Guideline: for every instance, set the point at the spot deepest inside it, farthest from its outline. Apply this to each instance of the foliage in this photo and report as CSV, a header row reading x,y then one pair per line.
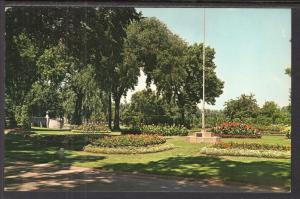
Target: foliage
x,y
164,130
92,128
246,152
235,129
148,107
242,108
129,149
22,117
251,146
174,67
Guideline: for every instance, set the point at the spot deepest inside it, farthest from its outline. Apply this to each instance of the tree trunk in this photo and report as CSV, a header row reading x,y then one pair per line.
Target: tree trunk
x,y
109,112
117,113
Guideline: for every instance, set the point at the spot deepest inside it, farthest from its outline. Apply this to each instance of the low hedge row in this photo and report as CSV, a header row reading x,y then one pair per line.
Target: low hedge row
x,y
63,139
251,146
158,130
246,152
92,128
128,140
129,149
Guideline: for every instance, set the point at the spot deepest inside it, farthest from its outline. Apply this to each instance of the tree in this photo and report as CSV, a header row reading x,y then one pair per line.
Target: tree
x,y
189,93
116,67
149,106
173,66
243,108
89,36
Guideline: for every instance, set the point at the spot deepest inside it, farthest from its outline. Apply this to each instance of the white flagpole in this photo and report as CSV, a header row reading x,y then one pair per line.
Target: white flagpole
x,y
203,75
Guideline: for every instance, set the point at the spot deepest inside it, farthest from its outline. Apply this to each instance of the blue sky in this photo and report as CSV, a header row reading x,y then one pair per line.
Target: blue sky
x,y
252,48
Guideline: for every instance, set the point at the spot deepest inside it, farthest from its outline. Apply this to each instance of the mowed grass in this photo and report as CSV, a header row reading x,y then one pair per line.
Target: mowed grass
x,y
184,161
267,139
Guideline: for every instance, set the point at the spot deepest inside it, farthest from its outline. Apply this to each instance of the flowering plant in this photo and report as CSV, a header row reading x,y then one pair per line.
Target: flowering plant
x,y
236,129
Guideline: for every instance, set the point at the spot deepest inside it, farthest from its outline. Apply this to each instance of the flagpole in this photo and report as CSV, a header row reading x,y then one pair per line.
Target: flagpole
x,y
203,75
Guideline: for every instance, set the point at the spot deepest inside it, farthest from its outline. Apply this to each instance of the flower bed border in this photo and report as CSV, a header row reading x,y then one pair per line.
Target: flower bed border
x,y
246,153
129,150
237,136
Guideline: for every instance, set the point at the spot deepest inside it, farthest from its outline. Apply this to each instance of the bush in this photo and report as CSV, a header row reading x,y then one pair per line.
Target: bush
x,y
287,132
128,140
251,146
128,150
246,152
22,117
165,130
92,128
235,129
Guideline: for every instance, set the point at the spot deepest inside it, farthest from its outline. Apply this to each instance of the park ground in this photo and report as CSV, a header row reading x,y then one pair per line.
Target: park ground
x,y
39,168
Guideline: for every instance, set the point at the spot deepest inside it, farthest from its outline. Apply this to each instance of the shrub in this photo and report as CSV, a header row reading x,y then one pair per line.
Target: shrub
x,y
235,129
251,146
246,152
92,128
128,150
164,130
22,117
128,140
287,132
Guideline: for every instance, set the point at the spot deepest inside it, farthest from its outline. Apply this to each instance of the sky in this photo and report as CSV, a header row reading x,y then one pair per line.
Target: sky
x,y
252,47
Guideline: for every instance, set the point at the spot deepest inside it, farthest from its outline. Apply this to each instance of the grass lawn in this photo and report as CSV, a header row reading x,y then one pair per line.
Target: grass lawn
x,y
267,139
184,161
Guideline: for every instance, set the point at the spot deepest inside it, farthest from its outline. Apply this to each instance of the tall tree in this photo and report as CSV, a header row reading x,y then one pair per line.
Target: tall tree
x,y
173,66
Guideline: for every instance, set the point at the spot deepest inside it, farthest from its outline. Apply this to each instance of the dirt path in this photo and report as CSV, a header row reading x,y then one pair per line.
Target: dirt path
x,y
22,176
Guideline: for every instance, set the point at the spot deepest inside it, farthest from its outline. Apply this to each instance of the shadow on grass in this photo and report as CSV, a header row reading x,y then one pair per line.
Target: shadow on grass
x,y
205,167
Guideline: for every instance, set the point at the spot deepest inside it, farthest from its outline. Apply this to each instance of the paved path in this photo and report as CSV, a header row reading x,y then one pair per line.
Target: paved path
x,y
22,176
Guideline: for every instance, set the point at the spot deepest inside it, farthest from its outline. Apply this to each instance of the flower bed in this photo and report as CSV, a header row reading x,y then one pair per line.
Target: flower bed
x,y
270,129
128,144
235,130
246,152
128,140
251,146
129,149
